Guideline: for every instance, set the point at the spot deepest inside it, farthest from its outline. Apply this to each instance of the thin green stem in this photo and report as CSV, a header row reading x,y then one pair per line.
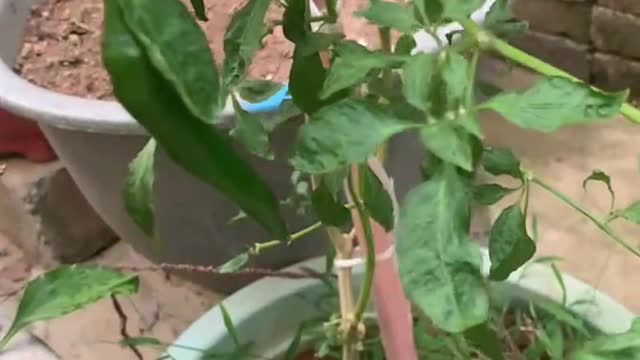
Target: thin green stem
x,y
533,63
332,11
385,44
600,224
258,247
472,76
367,285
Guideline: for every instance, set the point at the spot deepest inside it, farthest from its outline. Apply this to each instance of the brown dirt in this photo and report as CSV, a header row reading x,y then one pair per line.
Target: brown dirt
x,y
61,50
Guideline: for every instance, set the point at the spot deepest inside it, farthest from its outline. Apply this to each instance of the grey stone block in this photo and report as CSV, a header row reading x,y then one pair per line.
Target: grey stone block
x,y
614,73
615,32
561,52
44,213
570,19
627,6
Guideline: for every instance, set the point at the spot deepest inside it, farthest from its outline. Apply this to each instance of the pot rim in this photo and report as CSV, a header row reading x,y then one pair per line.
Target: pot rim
x,y
602,311
54,109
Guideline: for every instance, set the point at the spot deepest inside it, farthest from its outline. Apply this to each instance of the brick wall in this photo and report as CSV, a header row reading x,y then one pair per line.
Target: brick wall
x,y
596,40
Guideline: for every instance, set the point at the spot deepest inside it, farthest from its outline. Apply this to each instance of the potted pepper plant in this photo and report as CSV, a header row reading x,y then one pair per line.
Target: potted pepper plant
x,y
404,280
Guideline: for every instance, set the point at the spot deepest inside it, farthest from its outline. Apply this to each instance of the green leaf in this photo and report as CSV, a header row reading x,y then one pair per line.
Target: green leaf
x,y
376,199
405,44
336,135
235,264
558,275
178,50
459,9
138,341
352,66
138,190
469,122
390,15
564,315
418,71
501,162
315,42
509,244
557,102
327,208
306,80
487,89
256,91
428,12
199,9
334,181
490,194
501,21
295,24
485,339
449,143
297,341
192,144
439,264
631,213
455,76
242,39
231,329
64,290
251,133
307,74
551,336
448,94
625,346
601,176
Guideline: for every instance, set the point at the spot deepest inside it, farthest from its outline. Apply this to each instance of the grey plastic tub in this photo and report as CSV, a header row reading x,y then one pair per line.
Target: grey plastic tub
x,y
97,139
268,312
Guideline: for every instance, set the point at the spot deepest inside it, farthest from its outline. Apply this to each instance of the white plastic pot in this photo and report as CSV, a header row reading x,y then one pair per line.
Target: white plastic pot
x,y
97,139
268,312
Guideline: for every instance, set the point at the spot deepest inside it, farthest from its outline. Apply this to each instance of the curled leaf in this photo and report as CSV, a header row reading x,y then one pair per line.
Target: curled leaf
x,y
601,176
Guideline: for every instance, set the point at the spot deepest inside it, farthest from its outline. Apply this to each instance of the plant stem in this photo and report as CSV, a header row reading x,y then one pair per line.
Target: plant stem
x,y
472,76
332,12
365,220
258,247
344,251
533,63
385,44
600,224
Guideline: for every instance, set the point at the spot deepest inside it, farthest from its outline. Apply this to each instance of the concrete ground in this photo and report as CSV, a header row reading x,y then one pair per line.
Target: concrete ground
x,y
165,307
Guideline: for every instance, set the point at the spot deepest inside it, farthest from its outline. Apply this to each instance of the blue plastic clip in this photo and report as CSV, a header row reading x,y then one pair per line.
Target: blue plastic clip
x,y
271,104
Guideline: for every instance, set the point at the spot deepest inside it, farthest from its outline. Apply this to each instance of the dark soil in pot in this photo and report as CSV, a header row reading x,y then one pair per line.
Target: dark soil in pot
x,y
61,49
